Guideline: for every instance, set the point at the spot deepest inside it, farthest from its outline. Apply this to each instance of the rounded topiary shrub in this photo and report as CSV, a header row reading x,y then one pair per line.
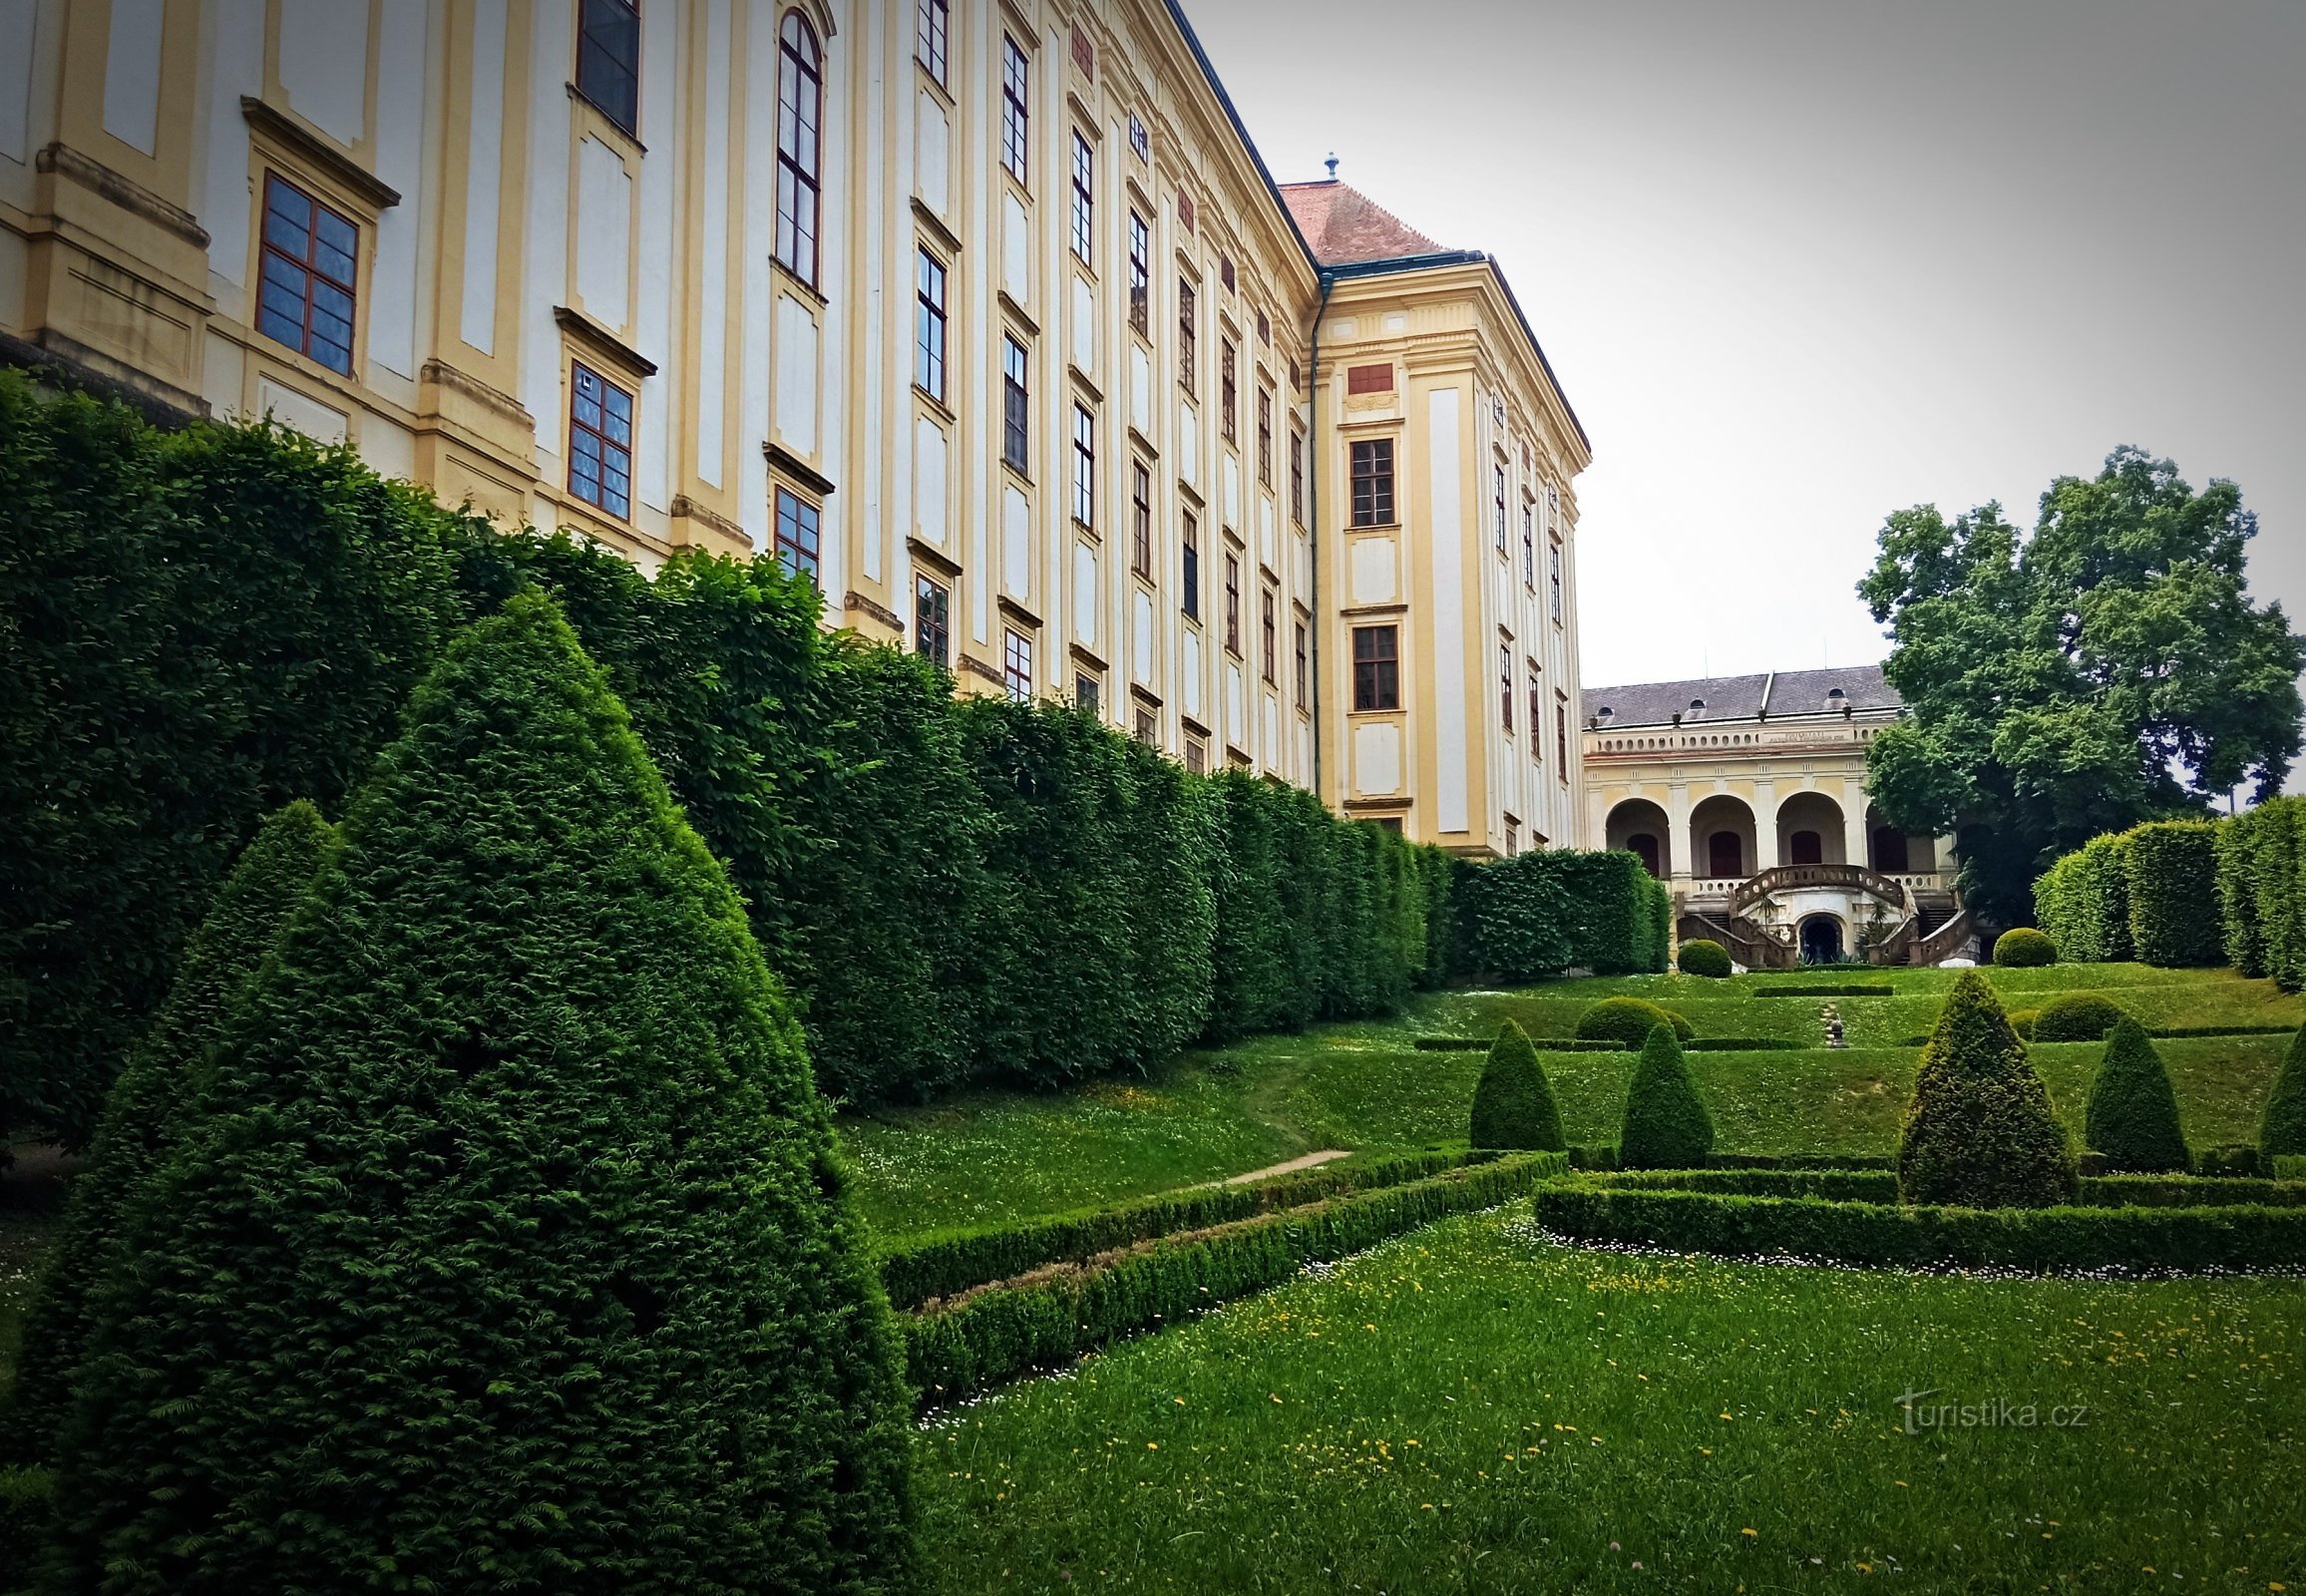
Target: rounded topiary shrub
x,y
2022,1020
1666,1124
2134,1113
2283,1128
515,1250
1702,957
1513,1103
2078,1016
1629,1021
153,1103
2024,948
1979,1131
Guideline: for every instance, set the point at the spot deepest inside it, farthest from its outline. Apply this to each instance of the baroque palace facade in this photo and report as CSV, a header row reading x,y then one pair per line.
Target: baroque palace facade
x,y
984,314
1746,795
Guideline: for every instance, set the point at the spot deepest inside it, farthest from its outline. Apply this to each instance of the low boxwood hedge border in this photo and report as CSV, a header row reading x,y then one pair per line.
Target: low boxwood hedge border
x,y
1007,1331
2166,1033
942,1266
1853,990
1881,1186
1606,1158
1544,1044
1748,1045
2238,1237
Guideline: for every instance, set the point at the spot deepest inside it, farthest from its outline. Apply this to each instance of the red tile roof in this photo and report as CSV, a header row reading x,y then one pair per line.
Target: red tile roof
x,y
1344,226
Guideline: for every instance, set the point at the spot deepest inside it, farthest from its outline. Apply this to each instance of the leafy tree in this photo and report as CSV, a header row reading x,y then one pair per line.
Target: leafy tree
x,y
2134,1113
515,1250
1665,1124
2283,1129
1979,1131
153,1105
2109,669
1513,1102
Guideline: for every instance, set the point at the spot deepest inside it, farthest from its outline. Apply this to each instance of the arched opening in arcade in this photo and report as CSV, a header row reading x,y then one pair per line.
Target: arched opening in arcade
x,y
1722,838
1895,852
1821,941
1641,828
1811,831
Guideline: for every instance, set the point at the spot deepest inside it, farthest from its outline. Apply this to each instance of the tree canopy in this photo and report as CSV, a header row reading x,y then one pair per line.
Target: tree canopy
x,y
2108,669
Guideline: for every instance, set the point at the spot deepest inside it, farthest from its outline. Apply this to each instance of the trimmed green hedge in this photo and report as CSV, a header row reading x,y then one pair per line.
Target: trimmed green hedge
x,y
2077,1017
1544,1044
1745,1044
2041,1240
1628,1022
1513,1102
1000,1333
1881,1186
1539,914
2261,900
2023,947
2183,893
1605,1159
1702,955
2083,902
1874,990
2174,882
943,1266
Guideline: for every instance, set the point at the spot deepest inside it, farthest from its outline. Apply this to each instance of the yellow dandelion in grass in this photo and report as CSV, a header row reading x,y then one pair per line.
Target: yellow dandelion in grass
x,y
1753,1534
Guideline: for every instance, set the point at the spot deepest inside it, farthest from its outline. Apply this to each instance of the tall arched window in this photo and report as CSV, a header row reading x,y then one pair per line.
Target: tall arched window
x,y
799,113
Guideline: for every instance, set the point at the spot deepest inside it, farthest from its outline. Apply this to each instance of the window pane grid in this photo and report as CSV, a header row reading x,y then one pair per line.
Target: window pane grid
x,y
1017,665
929,327
1140,520
1084,201
1084,467
800,111
1231,604
306,275
797,534
1016,412
1186,342
599,442
1015,119
608,60
1140,275
932,22
932,621
1376,668
1228,392
1372,467
1192,573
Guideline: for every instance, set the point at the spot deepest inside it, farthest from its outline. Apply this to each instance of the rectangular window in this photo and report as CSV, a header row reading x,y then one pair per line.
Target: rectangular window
x,y
929,327
1228,392
1140,520
1016,664
1528,549
930,26
1536,715
1086,691
1296,476
1377,668
1225,272
599,442
1561,743
1197,755
1505,685
1264,436
1186,347
1084,467
1303,672
1192,566
1370,379
1016,400
1148,727
797,545
1497,479
1140,141
1269,638
309,272
1085,202
800,168
933,620
1512,838
1232,603
1373,483
1391,824
1553,574
1015,120
609,59
1140,275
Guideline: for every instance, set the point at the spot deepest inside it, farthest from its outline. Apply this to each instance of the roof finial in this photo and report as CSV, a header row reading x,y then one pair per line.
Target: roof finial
x,y
1331,164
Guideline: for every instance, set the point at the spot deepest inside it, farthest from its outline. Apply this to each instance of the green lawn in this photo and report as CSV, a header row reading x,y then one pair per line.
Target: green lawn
x,y
1474,1409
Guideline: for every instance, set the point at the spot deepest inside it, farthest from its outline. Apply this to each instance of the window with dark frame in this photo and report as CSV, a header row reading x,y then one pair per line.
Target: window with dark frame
x,y
1140,520
799,113
1186,346
599,442
1087,690
1148,727
1269,638
1373,473
1085,202
930,28
1140,275
1497,479
797,534
1015,118
1197,755
928,325
1264,436
1296,476
1303,678
1553,576
933,620
1376,668
1528,548
1228,392
310,272
1192,573
1561,743
608,60
1084,467
1016,664
1536,714
1231,604
1016,406
1505,685
1140,141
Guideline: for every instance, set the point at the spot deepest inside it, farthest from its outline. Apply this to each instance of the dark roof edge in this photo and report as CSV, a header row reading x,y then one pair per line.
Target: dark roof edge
x,y
1241,132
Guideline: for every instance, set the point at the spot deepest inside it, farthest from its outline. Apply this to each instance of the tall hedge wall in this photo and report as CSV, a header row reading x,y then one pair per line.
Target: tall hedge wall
x,y
197,626
2177,893
1542,912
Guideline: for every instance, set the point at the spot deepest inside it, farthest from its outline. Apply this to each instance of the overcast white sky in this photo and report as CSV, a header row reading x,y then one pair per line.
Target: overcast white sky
x,y
1798,264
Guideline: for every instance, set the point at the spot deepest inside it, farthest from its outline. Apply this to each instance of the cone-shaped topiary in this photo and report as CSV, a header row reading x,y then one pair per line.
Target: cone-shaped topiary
x,y
2283,1129
152,1105
2134,1113
1702,955
515,1252
1630,1020
1665,1124
1513,1103
1979,1131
